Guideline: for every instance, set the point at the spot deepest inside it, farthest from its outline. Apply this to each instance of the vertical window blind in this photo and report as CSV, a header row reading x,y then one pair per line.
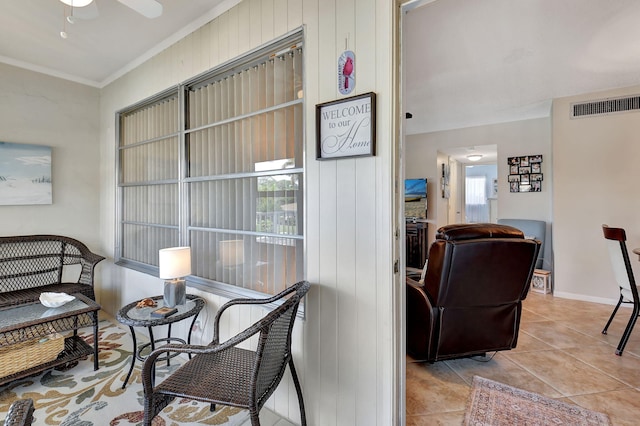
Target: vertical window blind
x,y
228,182
149,180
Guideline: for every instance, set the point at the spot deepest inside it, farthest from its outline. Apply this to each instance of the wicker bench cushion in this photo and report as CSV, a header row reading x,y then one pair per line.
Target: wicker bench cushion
x,y
19,297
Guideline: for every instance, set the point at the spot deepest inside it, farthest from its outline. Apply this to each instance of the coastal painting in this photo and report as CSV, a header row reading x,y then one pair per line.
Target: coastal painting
x,y
25,174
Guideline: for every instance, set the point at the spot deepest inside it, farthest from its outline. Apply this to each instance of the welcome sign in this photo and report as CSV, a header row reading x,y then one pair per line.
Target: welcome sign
x,y
346,127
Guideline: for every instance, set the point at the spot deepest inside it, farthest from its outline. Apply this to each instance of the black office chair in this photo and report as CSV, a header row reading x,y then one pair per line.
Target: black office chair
x,y
616,240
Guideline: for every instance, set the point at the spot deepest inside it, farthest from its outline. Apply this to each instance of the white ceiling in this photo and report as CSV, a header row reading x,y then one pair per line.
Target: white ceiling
x,y
466,62
476,62
489,153
98,49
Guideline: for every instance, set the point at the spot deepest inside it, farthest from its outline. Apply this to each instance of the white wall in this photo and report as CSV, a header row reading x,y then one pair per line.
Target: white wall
x,y
42,110
590,175
596,177
423,154
344,347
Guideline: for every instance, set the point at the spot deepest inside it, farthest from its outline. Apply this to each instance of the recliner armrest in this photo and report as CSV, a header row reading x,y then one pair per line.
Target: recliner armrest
x,y
421,319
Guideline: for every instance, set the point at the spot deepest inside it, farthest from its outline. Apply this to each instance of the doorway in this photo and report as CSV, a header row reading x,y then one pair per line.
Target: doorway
x,y
471,191
450,164
480,193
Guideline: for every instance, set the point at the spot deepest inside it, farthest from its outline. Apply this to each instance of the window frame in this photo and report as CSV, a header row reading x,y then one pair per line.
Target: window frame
x,y
295,40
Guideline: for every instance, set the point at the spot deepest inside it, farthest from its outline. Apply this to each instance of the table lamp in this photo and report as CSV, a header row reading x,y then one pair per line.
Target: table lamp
x,y
175,264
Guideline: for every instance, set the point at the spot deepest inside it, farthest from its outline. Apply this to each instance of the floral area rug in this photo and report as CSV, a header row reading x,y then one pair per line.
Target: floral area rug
x,y
81,396
493,403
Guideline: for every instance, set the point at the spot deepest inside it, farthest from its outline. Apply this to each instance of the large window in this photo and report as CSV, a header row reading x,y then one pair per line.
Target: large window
x,y
217,164
477,209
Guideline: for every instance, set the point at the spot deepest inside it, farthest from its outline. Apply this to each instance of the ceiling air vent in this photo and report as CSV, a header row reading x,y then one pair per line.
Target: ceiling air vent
x,y
605,106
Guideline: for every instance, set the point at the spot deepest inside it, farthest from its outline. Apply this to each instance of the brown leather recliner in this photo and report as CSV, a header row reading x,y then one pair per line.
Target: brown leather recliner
x,y
471,301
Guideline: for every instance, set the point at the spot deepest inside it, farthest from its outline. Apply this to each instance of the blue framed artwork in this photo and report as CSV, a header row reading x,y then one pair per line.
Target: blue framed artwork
x,y
25,174
415,189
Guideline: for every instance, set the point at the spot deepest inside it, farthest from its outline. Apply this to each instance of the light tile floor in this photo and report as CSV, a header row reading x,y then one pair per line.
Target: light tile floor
x,y
561,354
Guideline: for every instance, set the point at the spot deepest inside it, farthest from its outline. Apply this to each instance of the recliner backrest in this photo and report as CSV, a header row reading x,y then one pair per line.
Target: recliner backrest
x,y
473,231
480,265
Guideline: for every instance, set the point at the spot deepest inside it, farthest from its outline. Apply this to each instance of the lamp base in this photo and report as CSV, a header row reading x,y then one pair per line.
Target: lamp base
x,y
175,293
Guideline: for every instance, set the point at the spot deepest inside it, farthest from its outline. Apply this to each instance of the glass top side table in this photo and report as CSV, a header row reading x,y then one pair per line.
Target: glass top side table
x,y
133,316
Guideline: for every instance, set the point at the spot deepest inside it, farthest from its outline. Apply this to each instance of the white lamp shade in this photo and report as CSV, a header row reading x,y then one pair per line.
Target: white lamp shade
x,y
76,3
231,252
175,262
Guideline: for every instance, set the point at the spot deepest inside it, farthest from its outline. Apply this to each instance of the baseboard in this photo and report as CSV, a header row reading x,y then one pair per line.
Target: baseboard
x,y
583,298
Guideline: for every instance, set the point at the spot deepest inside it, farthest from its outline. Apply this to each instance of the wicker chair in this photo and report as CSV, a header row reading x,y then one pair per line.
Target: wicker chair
x,y
20,413
222,373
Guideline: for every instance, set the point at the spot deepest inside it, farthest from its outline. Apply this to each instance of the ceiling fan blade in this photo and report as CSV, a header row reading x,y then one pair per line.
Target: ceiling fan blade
x,y
148,8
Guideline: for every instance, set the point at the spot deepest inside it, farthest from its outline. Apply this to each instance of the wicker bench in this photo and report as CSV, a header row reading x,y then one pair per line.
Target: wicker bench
x,y
33,264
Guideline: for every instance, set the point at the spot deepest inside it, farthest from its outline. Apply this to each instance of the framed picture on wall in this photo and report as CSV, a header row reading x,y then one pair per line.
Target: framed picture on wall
x,y
346,128
445,180
536,177
25,175
525,173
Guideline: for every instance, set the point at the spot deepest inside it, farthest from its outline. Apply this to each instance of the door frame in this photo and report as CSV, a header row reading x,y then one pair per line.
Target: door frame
x,y
399,293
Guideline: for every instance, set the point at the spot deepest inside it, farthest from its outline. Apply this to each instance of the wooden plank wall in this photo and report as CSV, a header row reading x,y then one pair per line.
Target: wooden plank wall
x,y
344,347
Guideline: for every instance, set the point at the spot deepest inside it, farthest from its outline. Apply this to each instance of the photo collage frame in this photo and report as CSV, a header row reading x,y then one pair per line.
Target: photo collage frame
x,y
525,173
